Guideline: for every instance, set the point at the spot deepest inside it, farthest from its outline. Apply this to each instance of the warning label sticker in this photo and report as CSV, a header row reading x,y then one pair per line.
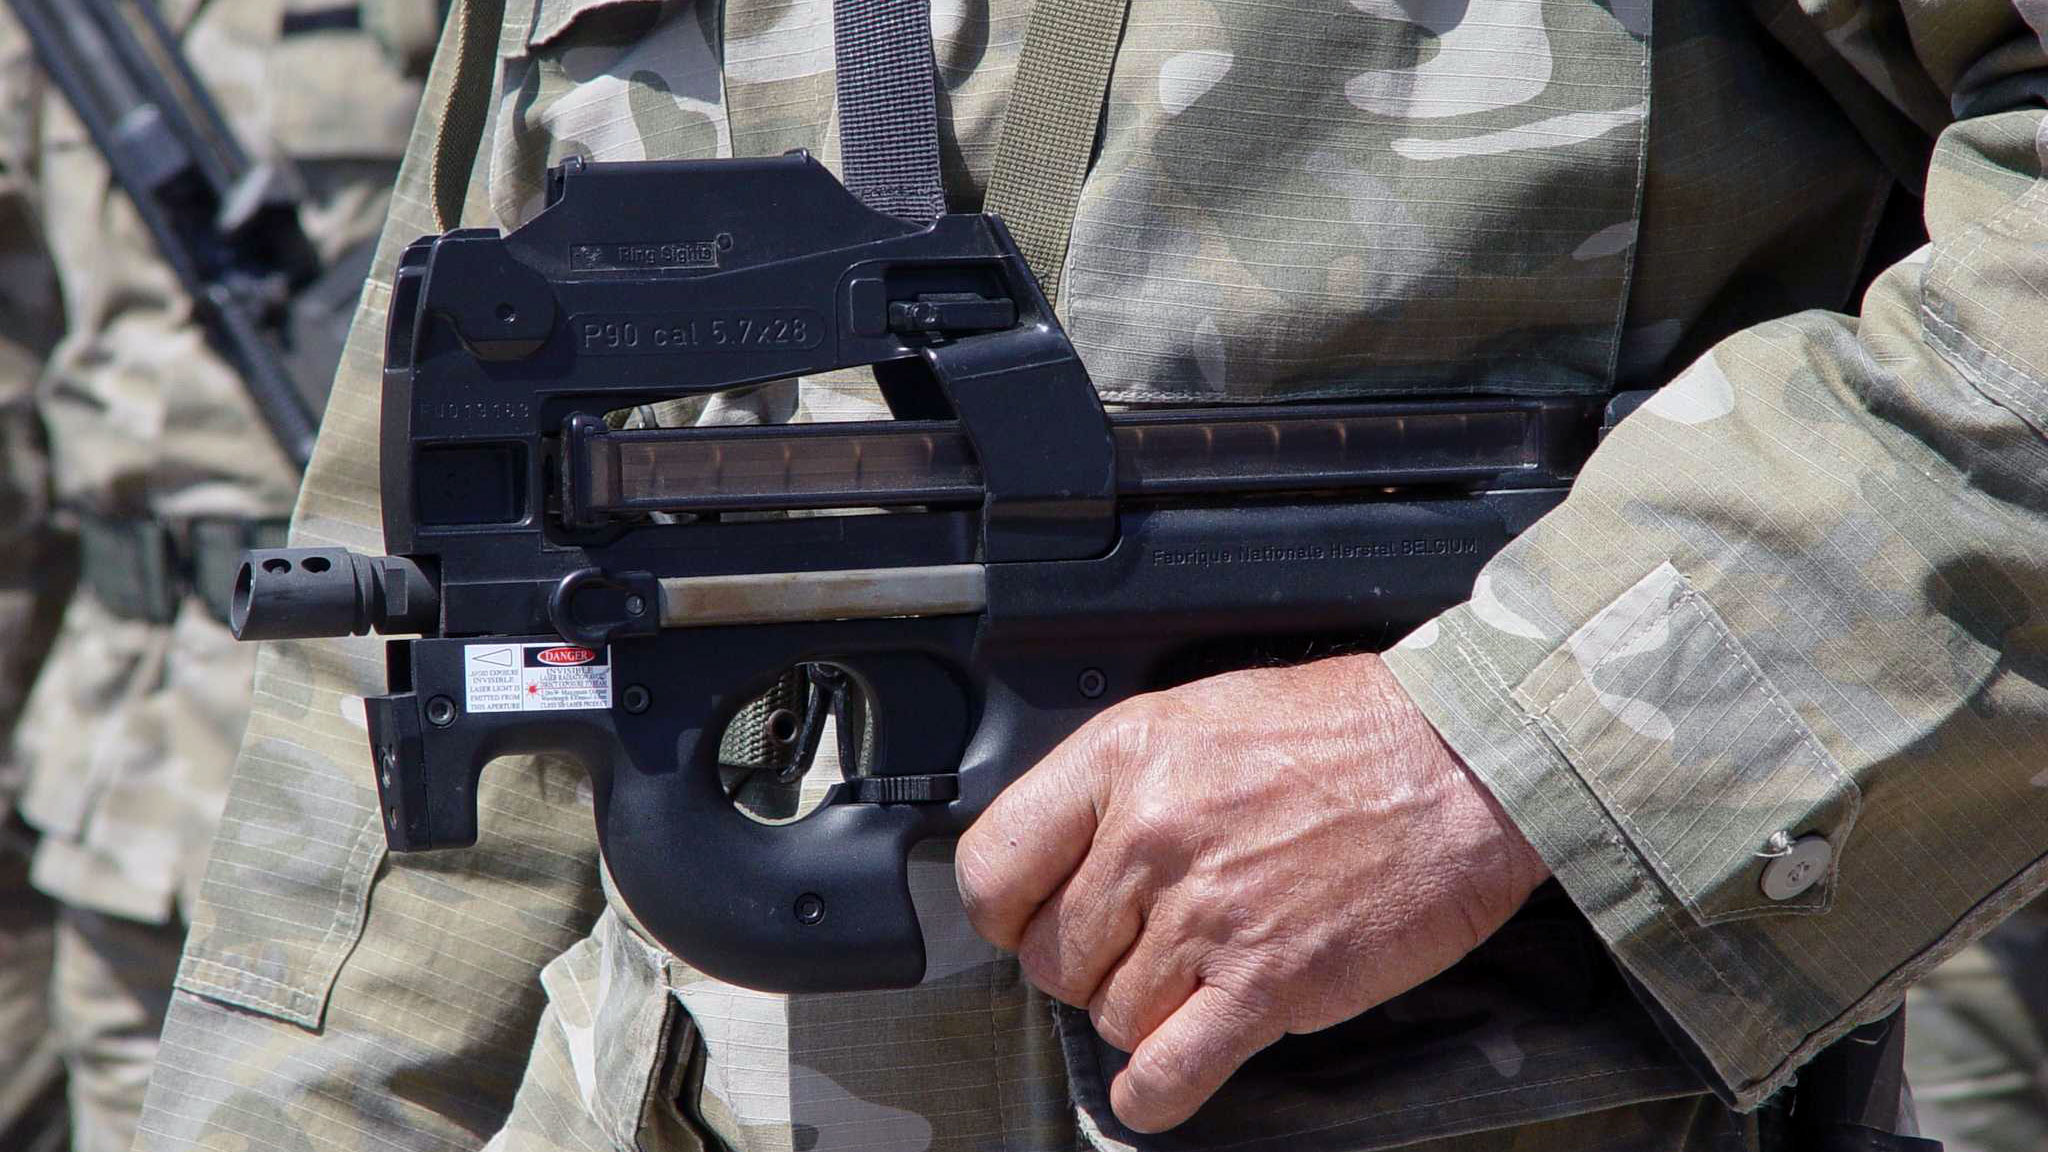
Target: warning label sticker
x,y
536,677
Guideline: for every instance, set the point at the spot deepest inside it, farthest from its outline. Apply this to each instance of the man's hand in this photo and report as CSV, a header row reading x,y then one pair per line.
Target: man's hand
x,y
1209,868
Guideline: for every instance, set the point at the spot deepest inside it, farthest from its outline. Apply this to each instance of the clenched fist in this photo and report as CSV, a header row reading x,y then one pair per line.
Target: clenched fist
x,y
1209,868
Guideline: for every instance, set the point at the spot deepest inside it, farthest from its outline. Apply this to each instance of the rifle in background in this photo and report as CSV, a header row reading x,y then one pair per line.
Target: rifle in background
x,y
228,225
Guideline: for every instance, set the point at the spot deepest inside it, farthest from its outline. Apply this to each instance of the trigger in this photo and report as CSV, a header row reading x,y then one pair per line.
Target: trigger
x,y
856,731
904,789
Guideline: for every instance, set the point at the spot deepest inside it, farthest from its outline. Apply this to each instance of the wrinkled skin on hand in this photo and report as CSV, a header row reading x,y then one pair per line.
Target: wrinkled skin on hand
x,y
1209,868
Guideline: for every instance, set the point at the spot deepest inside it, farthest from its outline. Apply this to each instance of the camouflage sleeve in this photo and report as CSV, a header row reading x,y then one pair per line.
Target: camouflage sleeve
x,y
331,998
1768,691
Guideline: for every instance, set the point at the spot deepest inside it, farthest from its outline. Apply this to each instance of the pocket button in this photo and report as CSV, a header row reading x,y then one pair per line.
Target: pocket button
x,y
1798,869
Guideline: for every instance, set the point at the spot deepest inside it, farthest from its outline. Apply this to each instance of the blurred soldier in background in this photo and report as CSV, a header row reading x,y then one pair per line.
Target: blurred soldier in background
x,y
35,577
1975,1053
160,463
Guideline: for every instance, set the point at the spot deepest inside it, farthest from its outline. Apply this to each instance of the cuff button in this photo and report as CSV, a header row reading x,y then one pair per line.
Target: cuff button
x,y
1798,868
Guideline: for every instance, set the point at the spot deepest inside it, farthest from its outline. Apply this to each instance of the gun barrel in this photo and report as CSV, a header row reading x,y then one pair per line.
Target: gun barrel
x,y
835,594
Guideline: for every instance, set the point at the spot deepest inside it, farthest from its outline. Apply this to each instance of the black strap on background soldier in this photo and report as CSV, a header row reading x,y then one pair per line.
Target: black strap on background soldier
x,y
227,225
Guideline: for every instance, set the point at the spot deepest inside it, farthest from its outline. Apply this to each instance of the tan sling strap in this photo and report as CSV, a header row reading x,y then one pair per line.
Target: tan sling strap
x,y
1048,134
468,110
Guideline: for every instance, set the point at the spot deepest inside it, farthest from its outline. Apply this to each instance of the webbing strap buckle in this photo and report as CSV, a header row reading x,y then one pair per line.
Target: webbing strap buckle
x,y
142,569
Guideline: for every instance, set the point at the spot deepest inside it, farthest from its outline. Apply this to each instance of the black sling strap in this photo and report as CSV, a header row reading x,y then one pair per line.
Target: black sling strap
x,y
888,106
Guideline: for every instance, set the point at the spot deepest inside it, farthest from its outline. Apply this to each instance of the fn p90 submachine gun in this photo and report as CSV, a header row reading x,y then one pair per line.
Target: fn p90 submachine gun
x,y
1025,559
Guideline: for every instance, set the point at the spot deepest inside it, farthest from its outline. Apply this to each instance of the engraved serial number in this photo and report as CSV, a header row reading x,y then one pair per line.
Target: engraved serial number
x,y
472,411
737,331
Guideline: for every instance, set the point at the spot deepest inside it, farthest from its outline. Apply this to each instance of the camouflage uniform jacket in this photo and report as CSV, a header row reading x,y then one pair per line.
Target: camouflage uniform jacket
x,y
133,724
1799,593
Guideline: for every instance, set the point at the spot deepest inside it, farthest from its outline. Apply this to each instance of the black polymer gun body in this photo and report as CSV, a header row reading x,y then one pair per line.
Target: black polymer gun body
x,y
996,563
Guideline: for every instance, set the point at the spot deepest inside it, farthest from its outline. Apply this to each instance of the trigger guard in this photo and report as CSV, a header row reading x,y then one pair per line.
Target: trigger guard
x,y
822,904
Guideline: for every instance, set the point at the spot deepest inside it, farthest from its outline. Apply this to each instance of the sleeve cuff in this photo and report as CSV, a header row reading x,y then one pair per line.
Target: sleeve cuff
x,y
1656,848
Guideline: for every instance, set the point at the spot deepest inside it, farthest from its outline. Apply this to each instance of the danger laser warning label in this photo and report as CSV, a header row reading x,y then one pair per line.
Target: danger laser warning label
x,y
536,677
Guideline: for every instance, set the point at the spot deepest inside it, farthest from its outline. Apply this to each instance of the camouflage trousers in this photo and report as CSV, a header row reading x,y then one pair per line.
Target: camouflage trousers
x,y
82,999
1974,1047
638,1052
112,986
621,1062
30,1068
129,729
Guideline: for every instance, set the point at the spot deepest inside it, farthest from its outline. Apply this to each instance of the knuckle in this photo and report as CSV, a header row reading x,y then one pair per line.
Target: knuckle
x,y
1155,1071
1035,956
980,885
974,877
1214,901
1047,978
1129,733
1248,998
1152,820
1112,1021
1253,985
1132,735
1042,956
